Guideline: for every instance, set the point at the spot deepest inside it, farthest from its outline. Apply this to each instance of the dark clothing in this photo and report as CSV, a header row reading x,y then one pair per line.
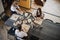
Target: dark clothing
x,y
13,12
39,12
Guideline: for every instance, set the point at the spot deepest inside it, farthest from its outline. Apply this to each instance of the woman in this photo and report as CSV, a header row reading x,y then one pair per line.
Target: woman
x,y
15,8
20,34
39,13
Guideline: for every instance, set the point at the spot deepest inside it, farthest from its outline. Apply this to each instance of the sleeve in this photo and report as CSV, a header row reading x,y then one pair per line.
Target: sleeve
x,y
16,32
25,34
17,9
18,6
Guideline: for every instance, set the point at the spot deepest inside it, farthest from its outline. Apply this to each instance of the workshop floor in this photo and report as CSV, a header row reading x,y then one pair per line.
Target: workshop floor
x,y
2,27
3,31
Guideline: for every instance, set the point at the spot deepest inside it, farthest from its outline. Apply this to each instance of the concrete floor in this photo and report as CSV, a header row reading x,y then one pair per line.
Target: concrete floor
x,y
52,7
3,32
